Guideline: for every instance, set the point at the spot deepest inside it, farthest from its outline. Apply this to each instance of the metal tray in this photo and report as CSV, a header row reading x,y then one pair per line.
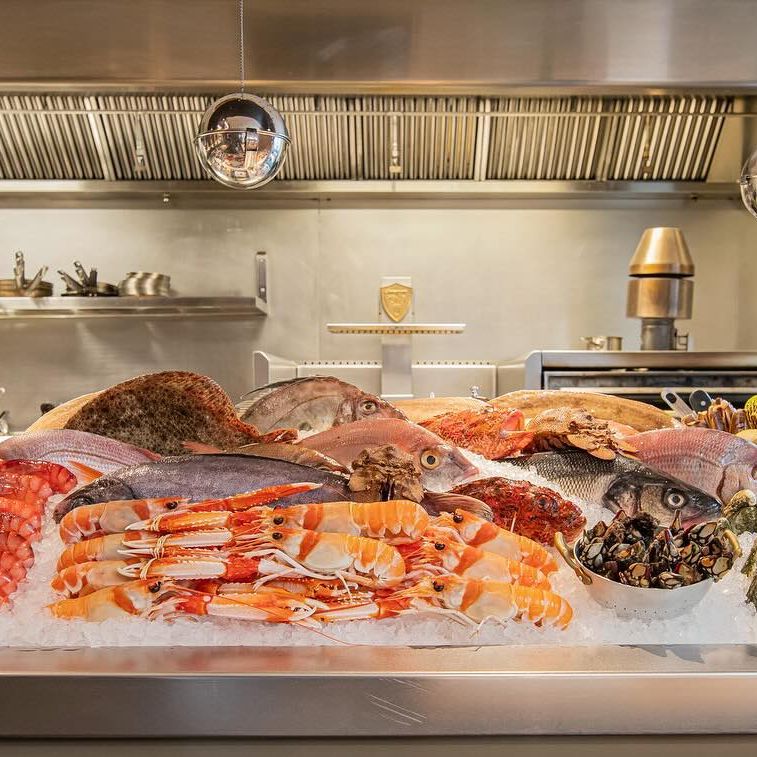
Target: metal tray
x,y
377,691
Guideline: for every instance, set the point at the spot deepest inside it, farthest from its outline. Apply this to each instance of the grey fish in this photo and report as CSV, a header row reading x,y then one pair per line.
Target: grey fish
x,y
221,475
309,404
622,483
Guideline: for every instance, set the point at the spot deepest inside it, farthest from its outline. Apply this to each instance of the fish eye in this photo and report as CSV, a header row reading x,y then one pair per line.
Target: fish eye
x,y
171,505
277,535
430,459
439,545
369,406
438,586
457,518
154,588
675,499
278,520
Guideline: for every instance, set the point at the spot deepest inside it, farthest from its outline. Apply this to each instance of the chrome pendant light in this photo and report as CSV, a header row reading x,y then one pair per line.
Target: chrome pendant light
x,y
748,183
242,140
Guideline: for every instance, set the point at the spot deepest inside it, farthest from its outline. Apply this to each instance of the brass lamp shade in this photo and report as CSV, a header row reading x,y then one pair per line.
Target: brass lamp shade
x,y
662,251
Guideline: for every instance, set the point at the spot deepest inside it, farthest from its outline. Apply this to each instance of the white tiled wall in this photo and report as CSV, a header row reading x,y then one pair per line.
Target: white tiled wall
x,y
520,278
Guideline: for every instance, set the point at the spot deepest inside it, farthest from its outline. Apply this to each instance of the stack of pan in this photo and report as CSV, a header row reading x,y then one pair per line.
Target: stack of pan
x,y
145,284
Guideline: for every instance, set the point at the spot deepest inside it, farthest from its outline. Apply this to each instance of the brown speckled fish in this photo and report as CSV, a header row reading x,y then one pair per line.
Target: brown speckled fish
x,y
161,411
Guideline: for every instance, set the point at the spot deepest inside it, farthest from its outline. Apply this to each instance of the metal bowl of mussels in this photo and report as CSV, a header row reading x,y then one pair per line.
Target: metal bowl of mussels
x,y
643,570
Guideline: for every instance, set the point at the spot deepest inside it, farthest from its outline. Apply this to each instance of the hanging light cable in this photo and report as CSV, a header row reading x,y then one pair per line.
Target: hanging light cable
x,y
242,139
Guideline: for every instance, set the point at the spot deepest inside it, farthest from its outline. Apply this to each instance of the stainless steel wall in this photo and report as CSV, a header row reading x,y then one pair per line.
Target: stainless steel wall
x,y
520,278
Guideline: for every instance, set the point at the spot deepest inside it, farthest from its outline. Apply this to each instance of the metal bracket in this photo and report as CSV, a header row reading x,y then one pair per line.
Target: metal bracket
x,y
261,263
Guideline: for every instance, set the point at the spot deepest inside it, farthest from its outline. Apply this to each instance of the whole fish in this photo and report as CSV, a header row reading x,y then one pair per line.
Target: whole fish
x,y
161,411
97,453
208,476
717,462
292,453
310,404
622,484
442,465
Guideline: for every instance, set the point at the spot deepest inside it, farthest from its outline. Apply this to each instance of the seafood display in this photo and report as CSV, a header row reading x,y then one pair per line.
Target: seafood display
x,y
533,511
25,487
311,404
422,409
502,433
441,464
162,411
638,415
721,415
622,484
92,453
330,506
240,558
638,551
487,431
717,462
222,475
290,453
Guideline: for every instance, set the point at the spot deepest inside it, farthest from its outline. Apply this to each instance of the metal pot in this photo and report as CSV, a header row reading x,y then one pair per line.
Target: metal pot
x,y
635,601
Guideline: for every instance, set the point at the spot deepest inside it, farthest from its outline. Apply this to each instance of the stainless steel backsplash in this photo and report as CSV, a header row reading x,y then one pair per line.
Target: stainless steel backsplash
x,y
520,278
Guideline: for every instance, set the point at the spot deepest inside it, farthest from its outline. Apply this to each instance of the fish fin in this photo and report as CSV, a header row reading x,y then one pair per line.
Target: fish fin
x,y
200,448
84,473
449,502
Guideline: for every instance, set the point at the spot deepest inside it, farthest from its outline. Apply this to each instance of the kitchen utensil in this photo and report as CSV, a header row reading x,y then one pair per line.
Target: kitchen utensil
x,y
675,402
87,285
145,284
699,400
242,140
19,286
634,601
610,343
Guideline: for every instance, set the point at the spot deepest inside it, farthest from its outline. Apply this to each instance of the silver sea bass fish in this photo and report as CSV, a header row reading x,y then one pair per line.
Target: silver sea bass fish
x,y
311,404
622,483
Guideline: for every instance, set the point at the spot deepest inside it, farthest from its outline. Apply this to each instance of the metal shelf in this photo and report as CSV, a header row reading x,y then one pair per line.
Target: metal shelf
x,y
396,329
132,307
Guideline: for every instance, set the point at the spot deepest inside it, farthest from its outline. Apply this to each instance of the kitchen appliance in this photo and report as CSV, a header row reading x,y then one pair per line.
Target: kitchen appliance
x,y
641,375
242,139
660,289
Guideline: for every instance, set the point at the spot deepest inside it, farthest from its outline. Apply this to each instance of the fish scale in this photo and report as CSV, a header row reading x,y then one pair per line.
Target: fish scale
x,y
622,483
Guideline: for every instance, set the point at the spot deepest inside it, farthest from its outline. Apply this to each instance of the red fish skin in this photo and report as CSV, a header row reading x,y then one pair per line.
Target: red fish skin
x,y
495,434
526,509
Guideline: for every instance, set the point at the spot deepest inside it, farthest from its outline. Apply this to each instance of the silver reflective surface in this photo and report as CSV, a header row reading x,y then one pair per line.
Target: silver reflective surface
x,y
748,184
242,141
377,691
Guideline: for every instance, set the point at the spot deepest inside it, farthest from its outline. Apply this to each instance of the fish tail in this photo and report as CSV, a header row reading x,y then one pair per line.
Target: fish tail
x,y
436,502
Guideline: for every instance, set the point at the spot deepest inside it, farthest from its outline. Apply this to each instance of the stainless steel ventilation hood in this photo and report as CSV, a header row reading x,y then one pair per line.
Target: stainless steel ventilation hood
x,y
485,96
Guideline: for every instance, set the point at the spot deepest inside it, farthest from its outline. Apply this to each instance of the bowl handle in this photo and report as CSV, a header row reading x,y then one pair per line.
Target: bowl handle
x,y
734,542
567,555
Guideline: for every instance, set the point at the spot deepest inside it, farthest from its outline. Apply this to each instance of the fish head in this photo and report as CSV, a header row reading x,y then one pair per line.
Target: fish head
x,y
361,406
442,465
660,496
101,490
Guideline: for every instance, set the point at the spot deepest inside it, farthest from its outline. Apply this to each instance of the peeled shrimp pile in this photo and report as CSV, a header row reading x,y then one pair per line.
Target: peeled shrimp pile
x,y
25,487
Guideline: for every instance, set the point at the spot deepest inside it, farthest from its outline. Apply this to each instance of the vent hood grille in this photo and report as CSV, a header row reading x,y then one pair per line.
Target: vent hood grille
x,y
149,137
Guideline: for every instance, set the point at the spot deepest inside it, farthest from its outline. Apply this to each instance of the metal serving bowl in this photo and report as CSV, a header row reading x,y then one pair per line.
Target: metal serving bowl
x,y
636,601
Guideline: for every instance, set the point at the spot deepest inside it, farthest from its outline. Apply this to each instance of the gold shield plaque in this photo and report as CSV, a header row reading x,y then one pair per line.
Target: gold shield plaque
x,y
396,300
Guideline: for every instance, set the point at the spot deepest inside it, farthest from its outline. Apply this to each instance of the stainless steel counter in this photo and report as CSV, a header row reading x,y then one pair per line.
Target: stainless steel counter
x,y
375,691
